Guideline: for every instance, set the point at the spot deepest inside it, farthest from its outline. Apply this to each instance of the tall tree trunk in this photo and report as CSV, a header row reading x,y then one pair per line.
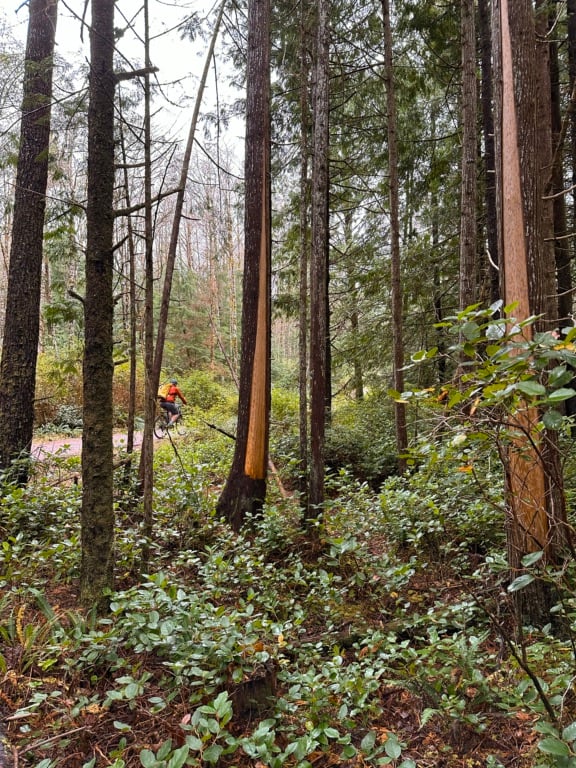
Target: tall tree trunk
x,y
319,328
536,519
152,377
305,15
468,267
245,489
131,418
489,164
571,14
395,266
22,322
562,239
97,517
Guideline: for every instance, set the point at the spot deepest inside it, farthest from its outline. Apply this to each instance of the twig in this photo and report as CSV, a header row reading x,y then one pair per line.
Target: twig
x,y
43,742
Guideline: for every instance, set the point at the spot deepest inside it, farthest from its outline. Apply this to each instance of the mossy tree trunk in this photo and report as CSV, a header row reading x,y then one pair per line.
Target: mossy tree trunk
x,y
22,323
97,516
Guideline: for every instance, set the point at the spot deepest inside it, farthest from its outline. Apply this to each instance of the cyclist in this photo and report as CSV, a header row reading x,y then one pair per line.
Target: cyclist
x,y
169,402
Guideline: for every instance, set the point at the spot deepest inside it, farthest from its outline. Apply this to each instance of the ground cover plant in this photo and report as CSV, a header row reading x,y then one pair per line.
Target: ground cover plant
x,y
389,642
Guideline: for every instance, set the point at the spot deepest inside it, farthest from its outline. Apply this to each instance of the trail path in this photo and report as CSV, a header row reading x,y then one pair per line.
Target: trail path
x,y
72,446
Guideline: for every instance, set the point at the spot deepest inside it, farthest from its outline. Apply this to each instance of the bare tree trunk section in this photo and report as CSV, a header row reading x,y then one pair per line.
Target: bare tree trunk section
x,y
536,519
245,489
395,258
22,320
97,516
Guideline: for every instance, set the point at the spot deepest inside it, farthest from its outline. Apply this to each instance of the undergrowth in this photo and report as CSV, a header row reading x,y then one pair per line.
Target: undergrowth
x,y
389,643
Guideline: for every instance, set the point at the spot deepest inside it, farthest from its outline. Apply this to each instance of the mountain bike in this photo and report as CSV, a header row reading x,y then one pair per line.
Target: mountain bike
x,y
162,424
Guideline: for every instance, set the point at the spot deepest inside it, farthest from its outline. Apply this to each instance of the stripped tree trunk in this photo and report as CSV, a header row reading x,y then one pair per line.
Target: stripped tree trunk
x,y
245,489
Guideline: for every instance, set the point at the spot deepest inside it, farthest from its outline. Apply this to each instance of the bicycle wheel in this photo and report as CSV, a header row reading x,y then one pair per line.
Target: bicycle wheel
x,y
160,427
180,427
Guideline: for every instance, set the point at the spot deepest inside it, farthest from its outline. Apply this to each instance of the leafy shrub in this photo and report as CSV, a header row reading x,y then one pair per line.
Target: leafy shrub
x,y
201,390
446,505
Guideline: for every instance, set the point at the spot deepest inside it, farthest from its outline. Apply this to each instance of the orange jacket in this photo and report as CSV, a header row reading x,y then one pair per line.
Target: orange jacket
x,y
173,393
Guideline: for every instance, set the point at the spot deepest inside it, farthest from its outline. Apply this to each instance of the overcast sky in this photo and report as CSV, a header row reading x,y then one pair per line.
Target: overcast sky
x,y
180,62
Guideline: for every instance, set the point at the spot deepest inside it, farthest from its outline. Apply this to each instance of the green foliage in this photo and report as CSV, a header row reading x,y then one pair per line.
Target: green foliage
x,y
361,439
252,647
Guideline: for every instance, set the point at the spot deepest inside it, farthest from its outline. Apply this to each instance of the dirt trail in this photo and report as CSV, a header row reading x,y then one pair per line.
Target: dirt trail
x,y
72,446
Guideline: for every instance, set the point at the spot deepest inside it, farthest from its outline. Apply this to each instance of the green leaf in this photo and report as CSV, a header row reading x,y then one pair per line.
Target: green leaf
x,y
367,743
392,746
564,393
164,750
120,726
471,331
531,387
569,733
212,754
521,582
179,757
531,558
331,733
194,743
147,758
552,420
553,746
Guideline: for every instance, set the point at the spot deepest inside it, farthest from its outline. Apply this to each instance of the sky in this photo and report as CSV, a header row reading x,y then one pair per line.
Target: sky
x,y
180,62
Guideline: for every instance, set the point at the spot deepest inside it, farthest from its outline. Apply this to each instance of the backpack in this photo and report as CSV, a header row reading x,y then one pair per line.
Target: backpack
x,y
163,390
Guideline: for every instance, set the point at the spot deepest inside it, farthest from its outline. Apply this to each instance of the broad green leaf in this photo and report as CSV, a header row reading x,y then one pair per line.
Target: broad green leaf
x,y
552,420
392,746
367,743
194,743
533,557
164,750
531,387
553,746
147,758
179,757
564,393
569,733
521,582
212,754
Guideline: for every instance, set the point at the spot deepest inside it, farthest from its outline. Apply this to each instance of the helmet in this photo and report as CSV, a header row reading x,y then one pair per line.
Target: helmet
x,y
173,381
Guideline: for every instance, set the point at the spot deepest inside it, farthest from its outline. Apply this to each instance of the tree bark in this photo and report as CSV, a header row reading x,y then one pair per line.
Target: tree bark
x,y
468,265
489,164
395,265
245,489
537,517
304,222
319,269
22,322
97,517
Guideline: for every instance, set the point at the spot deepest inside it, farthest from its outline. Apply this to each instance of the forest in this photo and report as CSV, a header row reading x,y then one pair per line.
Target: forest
x,y
355,544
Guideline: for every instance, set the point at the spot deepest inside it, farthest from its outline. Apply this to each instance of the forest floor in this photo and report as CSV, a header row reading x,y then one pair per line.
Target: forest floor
x,y
355,657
